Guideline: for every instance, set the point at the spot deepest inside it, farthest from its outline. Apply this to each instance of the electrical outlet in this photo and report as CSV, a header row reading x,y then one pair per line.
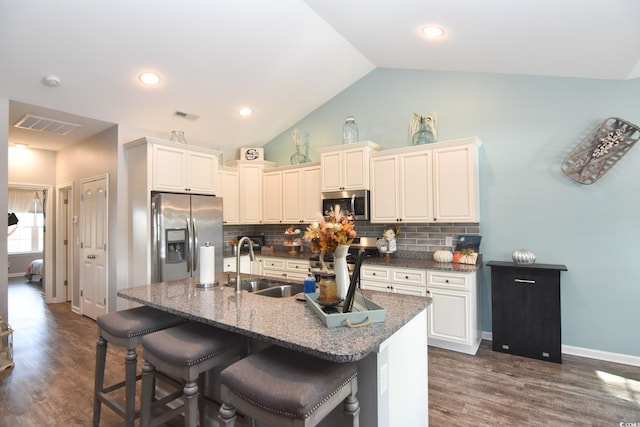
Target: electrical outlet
x,y
448,241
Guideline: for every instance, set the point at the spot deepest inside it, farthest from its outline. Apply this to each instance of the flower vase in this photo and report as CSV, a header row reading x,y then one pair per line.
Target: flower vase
x,y
341,270
392,245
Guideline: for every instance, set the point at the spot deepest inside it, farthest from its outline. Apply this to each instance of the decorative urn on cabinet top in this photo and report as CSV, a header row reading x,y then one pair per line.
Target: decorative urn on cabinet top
x,y
523,256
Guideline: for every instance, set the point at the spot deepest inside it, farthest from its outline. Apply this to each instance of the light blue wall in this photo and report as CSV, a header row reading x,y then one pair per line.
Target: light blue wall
x,y
527,125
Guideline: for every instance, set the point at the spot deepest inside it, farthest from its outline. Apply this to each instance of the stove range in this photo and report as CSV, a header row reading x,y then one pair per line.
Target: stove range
x,y
368,244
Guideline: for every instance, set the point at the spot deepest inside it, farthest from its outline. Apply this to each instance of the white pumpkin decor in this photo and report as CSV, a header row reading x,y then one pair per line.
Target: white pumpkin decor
x,y
523,256
442,255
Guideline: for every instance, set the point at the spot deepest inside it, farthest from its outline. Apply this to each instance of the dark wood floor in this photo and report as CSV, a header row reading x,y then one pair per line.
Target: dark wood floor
x,y
54,351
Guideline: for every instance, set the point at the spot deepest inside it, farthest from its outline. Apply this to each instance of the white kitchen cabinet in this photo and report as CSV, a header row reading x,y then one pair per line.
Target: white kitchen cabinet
x,y
401,186
409,281
291,194
428,183
346,167
250,189
301,194
229,191
272,197
456,182
311,193
183,169
230,264
454,314
277,267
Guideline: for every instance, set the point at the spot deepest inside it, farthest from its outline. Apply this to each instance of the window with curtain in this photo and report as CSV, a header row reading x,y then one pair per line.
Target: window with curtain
x,y
28,235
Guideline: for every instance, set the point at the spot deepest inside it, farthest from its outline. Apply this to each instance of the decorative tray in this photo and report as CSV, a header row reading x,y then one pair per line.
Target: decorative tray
x,y
363,312
600,150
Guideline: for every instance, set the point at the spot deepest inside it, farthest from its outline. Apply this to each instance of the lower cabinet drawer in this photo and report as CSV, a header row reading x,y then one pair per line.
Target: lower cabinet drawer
x,y
374,273
273,263
298,266
448,280
413,277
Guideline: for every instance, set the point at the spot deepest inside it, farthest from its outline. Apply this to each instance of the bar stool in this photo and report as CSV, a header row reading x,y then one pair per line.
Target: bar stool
x,y
184,352
125,329
280,387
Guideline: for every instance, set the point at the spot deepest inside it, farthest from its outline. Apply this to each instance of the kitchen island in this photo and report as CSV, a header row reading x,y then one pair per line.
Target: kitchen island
x,y
391,355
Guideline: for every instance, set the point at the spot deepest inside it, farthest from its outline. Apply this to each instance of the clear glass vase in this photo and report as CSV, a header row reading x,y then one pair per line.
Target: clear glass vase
x,y
298,158
424,135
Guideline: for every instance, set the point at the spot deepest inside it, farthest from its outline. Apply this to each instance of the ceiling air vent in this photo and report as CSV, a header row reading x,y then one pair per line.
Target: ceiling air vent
x,y
187,116
42,124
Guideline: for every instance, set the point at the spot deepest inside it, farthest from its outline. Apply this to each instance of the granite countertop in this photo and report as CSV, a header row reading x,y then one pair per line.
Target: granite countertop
x,y
423,261
283,321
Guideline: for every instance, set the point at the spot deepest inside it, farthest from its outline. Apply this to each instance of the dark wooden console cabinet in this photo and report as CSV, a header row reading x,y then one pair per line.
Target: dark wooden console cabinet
x,y
525,309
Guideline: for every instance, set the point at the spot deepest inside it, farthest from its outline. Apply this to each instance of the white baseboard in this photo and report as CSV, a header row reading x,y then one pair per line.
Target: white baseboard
x,y
16,274
601,355
607,356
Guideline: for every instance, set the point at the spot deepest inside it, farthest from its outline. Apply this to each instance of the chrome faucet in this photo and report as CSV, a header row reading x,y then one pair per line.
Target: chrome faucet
x,y
251,257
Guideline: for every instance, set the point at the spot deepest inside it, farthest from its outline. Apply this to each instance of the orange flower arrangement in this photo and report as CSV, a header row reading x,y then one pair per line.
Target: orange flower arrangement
x,y
328,235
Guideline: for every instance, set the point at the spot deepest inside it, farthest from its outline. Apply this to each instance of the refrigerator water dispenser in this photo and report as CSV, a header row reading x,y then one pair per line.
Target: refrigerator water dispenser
x,y
176,245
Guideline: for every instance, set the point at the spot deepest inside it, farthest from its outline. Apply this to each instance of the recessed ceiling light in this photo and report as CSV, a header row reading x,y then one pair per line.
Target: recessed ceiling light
x,y
20,146
149,78
51,81
245,111
432,31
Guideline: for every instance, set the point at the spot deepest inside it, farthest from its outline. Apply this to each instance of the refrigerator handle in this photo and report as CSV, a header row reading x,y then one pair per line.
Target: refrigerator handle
x,y
157,241
196,246
188,246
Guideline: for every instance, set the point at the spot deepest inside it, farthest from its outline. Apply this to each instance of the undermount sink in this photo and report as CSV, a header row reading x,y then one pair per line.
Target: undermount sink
x,y
269,287
282,291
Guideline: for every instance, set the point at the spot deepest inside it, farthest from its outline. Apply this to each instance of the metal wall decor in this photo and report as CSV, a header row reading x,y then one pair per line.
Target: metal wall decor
x,y
600,150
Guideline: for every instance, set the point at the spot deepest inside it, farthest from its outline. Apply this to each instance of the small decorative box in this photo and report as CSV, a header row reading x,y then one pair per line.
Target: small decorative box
x,y
248,153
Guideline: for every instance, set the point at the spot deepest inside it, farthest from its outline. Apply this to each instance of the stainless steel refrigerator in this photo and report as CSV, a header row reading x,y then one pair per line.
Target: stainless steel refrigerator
x,y
181,224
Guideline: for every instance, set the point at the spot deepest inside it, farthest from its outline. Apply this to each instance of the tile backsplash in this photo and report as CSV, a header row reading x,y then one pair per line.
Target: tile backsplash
x,y
416,240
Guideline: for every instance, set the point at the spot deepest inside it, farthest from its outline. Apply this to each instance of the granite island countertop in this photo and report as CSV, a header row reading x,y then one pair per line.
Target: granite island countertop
x,y
283,321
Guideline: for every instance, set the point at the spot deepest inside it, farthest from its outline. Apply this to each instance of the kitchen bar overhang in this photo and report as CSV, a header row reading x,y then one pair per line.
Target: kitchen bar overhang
x,y
391,355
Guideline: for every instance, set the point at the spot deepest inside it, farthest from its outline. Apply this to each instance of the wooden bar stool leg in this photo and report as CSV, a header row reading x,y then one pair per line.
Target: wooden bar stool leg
x,y
148,390
227,415
131,360
190,392
352,410
101,356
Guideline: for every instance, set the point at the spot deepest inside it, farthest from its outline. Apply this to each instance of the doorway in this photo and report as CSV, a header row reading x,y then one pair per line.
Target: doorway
x,y
94,231
51,292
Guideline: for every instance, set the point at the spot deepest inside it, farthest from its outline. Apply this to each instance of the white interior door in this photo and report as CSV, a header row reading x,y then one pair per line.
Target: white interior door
x,y
93,246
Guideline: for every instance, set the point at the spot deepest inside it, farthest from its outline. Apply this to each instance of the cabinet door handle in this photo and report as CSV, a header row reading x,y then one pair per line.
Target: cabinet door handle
x,y
524,281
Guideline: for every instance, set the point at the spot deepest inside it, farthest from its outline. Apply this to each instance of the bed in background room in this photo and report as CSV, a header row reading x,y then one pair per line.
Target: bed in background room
x,y
36,268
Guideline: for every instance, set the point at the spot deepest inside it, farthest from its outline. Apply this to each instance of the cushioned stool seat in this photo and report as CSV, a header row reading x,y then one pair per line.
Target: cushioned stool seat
x,y
280,387
184,352
125,329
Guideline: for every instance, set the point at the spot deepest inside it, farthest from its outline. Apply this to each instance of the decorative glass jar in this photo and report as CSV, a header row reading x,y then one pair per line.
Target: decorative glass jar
x,y
328,288
349,131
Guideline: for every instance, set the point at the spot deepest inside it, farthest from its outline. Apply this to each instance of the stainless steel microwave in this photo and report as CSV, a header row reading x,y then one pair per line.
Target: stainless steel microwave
x,y
355,201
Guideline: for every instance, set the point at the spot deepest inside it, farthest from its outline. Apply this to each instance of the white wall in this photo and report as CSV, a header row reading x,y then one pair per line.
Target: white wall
x,y
95,156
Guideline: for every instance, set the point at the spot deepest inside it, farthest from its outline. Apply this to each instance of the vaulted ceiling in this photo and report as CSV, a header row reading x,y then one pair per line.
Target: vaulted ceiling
x,y
282,58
